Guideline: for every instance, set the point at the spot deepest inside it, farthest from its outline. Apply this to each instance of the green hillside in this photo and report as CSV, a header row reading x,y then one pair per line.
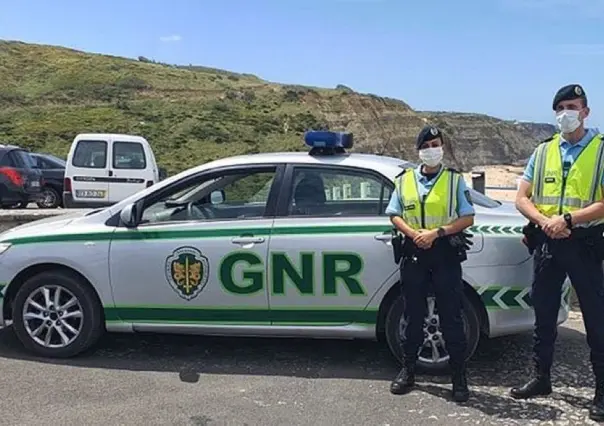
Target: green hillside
x,y
189,114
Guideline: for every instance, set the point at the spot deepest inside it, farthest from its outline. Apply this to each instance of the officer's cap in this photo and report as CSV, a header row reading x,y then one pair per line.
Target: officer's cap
x,y
569,93
428,133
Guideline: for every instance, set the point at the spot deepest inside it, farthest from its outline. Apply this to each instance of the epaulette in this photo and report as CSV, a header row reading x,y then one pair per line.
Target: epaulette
x,y
451,169
401,173
548,139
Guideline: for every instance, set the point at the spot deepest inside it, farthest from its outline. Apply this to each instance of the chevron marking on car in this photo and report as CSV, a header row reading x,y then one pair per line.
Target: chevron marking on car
x,y
496,297
497,229
519,298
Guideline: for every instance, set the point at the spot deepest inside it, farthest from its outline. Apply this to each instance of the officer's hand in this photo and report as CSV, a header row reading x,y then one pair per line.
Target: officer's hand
x,y
565,233
425,239
554,226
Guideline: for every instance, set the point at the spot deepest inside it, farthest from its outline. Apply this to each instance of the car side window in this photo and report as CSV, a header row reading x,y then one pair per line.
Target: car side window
x,y
232,195
90,154
337,192
129,155
7,161
21,159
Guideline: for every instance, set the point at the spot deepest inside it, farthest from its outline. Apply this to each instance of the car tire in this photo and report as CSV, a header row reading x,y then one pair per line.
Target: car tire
x,y
53,195
393,326
88,325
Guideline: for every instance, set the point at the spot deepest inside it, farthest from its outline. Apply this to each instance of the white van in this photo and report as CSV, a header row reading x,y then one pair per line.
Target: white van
x,y
103,169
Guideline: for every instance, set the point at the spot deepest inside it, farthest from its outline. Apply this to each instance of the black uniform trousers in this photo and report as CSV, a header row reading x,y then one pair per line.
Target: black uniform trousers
x,y
554,261
438,269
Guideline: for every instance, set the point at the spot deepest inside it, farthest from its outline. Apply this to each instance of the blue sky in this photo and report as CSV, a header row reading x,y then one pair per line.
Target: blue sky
x,y
504,58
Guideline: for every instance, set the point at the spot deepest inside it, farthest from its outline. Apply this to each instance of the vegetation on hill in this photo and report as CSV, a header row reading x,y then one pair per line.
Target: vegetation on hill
x,y
190,114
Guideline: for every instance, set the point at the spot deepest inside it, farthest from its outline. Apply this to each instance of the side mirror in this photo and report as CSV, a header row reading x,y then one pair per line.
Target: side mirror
x,y
128,216
217,197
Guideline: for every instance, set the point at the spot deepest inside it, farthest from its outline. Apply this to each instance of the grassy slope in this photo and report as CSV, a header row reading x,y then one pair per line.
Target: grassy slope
x,y
49,94
189,114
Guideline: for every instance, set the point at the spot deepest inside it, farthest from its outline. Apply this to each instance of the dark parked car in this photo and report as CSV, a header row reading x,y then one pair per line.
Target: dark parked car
x,y
53,171
21,181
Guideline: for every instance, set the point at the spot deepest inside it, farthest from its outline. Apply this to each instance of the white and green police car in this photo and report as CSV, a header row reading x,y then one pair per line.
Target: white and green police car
x,y
274,244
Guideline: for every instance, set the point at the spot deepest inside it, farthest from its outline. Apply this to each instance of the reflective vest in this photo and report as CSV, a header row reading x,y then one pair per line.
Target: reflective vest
x,y
556,194
437,208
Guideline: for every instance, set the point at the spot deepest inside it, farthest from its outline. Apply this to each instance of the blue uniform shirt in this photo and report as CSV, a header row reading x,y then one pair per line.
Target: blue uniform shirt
x,y
464,208
569,154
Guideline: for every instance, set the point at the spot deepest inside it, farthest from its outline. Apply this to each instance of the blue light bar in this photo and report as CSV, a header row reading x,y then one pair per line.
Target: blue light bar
x,y
327,139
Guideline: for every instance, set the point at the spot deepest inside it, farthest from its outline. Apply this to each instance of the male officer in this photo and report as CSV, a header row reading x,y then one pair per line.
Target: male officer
x,y
562,196
431,205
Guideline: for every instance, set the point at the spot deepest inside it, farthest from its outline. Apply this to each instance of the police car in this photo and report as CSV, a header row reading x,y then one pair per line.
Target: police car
x,y
275,244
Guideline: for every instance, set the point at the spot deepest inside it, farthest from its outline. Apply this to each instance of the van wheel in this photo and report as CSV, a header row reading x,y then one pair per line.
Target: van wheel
x,y
55,314
433,357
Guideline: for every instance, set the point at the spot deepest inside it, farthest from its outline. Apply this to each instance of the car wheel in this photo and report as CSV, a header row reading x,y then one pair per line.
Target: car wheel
x,y
49,198
433,356
55,314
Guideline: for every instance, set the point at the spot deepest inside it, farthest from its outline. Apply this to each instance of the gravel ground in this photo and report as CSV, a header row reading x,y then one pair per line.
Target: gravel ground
x,y
188,380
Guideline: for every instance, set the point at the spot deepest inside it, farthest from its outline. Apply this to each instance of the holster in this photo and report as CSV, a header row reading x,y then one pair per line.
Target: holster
x,y
460,243
533,236
397,246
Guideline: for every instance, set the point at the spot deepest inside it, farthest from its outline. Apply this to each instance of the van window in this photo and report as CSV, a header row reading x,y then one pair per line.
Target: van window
x,y
90,154
129,155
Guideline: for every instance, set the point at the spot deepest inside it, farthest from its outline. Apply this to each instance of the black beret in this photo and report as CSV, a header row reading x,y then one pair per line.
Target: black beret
x,y
568,93
427,134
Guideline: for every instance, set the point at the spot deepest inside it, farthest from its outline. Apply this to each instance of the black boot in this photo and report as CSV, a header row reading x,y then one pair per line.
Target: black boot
x,y
596,411
405,380
460,391
539,385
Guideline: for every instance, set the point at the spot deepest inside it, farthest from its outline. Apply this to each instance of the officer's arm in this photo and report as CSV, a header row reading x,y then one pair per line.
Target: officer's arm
x,y
465,210
592,212
523,197
395,210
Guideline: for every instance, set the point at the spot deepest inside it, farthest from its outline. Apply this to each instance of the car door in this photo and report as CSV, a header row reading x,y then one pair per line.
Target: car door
x,y
89,171
330,249
199,257
130,169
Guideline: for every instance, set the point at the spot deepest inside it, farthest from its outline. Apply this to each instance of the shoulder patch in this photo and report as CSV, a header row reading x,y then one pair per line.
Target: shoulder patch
x,y
548,139
401,173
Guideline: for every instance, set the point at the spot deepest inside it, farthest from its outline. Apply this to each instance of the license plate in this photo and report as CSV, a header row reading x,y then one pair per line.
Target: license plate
x,y
35,184
90,193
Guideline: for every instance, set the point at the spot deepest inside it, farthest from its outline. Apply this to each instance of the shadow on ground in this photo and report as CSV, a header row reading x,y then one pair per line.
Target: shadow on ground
x,y
502,363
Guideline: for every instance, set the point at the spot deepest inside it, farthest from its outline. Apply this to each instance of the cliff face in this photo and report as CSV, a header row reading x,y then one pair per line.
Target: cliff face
x,y
482,140
193,114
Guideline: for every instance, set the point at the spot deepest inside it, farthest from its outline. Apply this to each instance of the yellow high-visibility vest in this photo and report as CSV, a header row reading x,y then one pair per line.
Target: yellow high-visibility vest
x,y
437,208
556,194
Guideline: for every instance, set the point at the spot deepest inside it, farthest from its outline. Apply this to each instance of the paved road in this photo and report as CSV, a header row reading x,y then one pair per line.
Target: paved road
x,y
176,380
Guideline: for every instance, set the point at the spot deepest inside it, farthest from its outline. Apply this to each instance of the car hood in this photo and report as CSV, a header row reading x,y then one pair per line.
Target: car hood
x,y
38,226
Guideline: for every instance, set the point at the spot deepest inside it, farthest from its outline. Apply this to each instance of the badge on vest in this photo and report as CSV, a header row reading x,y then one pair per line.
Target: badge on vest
x,y
550,180
409,207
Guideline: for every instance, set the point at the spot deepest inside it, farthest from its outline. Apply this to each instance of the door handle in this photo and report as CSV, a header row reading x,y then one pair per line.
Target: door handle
x,y
383,237
247,240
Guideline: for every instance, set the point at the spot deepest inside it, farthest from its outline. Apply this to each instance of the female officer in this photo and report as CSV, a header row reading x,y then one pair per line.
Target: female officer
x,y
431,202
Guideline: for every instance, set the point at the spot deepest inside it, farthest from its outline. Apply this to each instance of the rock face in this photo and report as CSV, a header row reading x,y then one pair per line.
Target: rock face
x,y
194,114
483,140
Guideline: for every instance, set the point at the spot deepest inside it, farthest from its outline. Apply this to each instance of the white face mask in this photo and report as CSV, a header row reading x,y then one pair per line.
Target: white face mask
x,y
431,156
568,121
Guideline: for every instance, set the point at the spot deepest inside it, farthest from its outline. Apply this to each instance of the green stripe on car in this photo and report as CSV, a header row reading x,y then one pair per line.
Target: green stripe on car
x,y
241,315
134,235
